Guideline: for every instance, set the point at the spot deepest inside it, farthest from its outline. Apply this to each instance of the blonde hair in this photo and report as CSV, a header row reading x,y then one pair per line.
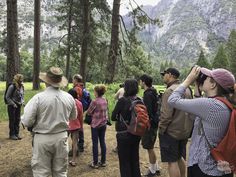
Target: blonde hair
x,y
17,79
100,89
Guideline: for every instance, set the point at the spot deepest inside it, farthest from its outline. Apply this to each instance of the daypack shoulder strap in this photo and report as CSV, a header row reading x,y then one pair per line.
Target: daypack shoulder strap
x,y
135,101
226,102
232,117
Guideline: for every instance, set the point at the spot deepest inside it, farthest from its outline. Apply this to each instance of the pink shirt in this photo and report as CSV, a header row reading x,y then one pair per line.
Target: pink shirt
x,y
77,123
98,110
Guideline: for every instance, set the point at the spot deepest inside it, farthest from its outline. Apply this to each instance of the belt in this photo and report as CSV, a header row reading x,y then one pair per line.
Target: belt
x,y
50,133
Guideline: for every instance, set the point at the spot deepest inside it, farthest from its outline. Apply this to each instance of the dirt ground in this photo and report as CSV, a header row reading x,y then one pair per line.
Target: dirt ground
x,y
15,156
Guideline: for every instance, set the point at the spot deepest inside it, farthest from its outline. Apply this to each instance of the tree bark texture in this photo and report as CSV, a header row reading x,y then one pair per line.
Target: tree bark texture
x,y
85,37
69,39
13,59
36,68
114,44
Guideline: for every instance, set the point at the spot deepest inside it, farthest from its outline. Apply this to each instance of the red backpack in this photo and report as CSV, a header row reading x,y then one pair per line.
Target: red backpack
x,y
226,149
139,121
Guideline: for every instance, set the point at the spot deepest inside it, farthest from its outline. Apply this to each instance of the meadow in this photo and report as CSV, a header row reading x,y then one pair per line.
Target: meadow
x,y
29,93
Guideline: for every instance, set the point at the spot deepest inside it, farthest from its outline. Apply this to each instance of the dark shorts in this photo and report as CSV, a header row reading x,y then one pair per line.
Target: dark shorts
x,y
149,138
171,149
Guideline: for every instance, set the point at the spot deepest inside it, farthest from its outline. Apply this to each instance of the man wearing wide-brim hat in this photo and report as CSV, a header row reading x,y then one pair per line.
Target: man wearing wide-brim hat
x,y
48,114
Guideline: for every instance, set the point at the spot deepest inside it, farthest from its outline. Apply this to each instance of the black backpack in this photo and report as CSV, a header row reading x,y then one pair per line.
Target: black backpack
x,y
5,100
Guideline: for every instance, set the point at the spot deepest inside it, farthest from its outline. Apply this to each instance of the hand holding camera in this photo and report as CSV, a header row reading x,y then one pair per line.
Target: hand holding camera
x,y
193,75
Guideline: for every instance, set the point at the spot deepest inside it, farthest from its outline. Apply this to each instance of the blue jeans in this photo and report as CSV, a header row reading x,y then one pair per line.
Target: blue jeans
x,y
99,133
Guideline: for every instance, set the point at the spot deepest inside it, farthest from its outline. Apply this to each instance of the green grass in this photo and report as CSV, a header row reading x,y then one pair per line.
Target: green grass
x,y
29,93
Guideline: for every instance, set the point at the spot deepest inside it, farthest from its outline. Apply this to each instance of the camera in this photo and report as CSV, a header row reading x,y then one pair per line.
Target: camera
x,y
201,78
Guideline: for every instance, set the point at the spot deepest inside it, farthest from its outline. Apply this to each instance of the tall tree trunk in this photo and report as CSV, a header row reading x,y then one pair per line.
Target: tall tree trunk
x,y
36,83
114,44
69,39
13,59
85,38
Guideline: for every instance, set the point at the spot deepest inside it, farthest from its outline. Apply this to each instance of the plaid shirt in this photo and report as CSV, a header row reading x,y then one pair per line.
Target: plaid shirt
x,y
99,111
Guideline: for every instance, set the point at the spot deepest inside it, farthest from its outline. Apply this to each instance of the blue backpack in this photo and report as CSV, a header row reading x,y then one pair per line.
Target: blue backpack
x,y
86,99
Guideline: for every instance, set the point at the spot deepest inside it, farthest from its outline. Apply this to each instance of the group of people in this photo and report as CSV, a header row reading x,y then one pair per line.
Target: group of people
x,y
53,113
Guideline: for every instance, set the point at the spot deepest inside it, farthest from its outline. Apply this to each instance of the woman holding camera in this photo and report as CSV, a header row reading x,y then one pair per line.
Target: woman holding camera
x,y
212,117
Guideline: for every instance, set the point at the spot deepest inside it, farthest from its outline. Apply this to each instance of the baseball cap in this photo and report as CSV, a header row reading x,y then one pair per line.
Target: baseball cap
x,y
222,76
172,71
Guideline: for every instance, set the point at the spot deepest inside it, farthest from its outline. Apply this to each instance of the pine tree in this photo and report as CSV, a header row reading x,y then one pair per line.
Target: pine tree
x,y
231,50
162,67
13,59
36,67
171,64
221,59
166,64
202,61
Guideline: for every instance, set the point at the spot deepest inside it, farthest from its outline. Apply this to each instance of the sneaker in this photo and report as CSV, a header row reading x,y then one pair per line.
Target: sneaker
x,y
19,138
149,173
102,164
93,165
13,137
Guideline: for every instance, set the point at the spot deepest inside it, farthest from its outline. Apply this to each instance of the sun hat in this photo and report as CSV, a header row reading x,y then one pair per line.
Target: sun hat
x,y
222,76
54,77
172,71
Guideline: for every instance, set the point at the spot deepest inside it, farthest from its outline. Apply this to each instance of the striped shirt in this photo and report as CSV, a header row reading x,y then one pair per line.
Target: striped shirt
x,y
99,111
215,117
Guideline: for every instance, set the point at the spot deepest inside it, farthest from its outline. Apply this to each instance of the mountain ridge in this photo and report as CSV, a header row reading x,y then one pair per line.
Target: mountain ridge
x,y
188,27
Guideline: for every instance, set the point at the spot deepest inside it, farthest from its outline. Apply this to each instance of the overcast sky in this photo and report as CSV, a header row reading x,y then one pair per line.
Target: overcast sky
x,y
125,4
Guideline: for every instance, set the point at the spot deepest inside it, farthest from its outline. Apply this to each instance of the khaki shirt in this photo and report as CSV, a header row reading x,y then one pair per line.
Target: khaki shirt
x,y
49,111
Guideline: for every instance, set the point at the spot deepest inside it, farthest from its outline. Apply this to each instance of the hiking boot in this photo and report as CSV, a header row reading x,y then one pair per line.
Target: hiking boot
x,y
149,173
13,137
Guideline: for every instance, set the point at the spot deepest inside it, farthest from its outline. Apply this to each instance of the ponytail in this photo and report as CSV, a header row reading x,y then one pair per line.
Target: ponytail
x,y
232,95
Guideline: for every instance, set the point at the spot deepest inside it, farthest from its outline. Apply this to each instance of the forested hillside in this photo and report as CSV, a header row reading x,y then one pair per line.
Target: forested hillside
x,y
186,29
